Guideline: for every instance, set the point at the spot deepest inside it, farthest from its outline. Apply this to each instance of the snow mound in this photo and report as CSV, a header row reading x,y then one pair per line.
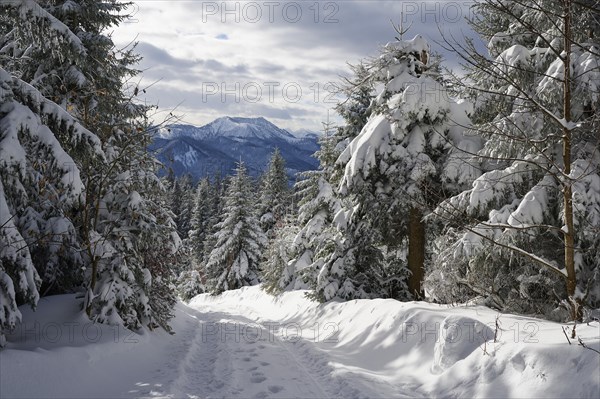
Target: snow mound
x,y
458,337
386,348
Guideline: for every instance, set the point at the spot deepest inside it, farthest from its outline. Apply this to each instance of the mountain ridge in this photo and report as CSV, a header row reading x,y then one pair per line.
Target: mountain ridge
x,y
216,147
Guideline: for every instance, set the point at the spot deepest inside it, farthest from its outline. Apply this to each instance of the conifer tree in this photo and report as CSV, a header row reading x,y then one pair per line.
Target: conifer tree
x,y
401,156
317,205
202,218
119,225
239,240
182,204
274,194
190,283
529,224
127,232
40,176
278,269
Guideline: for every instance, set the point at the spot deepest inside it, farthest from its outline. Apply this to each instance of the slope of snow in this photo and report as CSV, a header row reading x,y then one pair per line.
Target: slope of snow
x,y
188,158
57,352
248,344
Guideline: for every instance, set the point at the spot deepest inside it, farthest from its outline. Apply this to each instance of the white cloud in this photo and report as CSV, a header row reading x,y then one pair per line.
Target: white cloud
x,y
212,58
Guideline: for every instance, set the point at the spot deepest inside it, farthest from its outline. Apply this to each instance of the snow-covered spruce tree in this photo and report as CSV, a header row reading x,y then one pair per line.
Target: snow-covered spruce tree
x,y
395,170
530,239
125,203
329,240
274,194
125,231
191,278
40,144
190,283
317,198
131,237
25,27
278,269
40,186
239,240
216,205
317,205
318,238
134,242
182,203
202,218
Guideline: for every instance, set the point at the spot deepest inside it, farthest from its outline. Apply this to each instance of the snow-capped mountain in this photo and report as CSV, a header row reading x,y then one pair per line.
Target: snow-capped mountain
x,y
217,146
305,133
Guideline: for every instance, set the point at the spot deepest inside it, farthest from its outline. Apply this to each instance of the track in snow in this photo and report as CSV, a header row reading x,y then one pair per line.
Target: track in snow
x,y
223,355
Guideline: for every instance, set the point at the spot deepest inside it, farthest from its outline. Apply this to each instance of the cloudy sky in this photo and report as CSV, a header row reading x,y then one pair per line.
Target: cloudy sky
x,y
276,59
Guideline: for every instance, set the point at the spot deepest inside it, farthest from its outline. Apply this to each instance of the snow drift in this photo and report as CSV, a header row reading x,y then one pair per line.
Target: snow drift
x,y
245,343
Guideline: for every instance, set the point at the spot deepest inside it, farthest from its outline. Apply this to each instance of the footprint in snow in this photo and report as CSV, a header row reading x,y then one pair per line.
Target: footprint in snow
x,y
518,362
275,388
258,379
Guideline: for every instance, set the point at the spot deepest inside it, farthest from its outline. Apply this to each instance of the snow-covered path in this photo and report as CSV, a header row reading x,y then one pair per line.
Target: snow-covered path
x,y
247,344
227,355
230,356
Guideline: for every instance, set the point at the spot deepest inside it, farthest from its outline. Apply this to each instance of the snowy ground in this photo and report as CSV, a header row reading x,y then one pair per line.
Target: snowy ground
x,y
247,344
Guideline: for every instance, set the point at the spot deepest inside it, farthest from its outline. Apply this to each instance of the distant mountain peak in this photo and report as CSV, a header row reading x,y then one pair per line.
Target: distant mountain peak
x,y
218,145
304,133
233,127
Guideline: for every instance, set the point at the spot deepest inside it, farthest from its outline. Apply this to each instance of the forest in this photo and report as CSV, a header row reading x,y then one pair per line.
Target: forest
x,y
479,185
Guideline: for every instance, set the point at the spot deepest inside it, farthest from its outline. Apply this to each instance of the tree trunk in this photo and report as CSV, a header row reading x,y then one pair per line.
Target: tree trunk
x,y
416,252
568,231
